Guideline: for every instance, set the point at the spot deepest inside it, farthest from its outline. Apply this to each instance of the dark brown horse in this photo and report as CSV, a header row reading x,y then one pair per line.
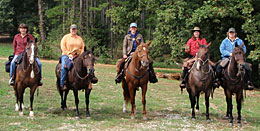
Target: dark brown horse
x,y
136,75
233,81
79,78
27,75
200,80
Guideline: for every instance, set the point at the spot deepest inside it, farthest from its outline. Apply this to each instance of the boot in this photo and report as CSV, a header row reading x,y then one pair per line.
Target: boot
x,y
40,83
119,76
11,82
184,76
152,77
249,86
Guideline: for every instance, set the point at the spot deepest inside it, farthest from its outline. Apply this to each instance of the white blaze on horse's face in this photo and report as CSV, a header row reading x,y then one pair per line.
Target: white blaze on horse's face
x,y
144,48
31,59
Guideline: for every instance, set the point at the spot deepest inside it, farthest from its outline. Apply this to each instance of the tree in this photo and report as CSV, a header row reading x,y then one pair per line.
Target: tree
x,y
42,29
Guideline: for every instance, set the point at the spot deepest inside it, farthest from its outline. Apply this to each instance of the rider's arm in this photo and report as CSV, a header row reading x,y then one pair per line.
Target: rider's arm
x,y
14,45
223,49
63,46
125,46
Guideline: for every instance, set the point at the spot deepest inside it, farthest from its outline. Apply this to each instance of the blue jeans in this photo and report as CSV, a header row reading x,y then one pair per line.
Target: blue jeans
x,y
13,65
63,70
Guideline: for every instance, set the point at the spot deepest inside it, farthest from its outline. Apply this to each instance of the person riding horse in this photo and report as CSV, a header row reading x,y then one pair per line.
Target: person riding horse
x,y
72,46
226,48
192,48
131,41
19,45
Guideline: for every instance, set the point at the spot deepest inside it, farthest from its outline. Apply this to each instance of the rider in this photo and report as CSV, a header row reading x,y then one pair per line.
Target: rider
x,y
226,48
192,48
19,45
72,46
129,46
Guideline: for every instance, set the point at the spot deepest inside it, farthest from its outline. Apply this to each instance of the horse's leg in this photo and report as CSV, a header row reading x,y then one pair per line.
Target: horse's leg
x,y
227,113
132,97
230,107
239,97
20,94
87,93
76,102
144,89
32,90
65,99
193,102
125,96
197,106
207,94
17,98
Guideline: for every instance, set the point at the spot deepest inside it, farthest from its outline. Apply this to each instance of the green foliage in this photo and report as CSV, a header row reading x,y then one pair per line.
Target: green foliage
x,y
6,14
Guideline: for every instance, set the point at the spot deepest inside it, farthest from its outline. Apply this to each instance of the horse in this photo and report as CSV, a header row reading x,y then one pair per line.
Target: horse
x,y
27,75
136,75
234,80
78,78
200,80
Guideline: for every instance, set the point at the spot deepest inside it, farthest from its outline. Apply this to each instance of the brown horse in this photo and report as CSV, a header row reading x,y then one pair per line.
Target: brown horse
x,y
233,81
27,75
136,75
200,79
79,78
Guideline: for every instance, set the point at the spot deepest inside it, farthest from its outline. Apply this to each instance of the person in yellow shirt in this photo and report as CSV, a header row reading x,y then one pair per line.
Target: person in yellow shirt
x,y
72,45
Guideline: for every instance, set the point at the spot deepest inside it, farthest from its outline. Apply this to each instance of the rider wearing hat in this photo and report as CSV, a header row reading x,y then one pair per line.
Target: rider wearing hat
x,y
130,43
226,48
191,48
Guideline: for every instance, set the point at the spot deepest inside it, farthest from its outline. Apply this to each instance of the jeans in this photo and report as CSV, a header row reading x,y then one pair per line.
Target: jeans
x,y
13,65
63,70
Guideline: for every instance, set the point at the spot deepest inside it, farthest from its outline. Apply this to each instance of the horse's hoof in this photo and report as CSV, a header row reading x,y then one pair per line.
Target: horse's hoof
x,y
230,124
88,116
193,118
124,111
31,114
208,120
20,113
145,118
197,111
239,124
226,117
77,118
132,117
16,107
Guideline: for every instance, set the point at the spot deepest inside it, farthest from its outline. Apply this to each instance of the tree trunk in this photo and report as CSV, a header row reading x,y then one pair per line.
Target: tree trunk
x,y
91,15
74,11
87,16
142,18
63,16
94,13
81,16
111,32
42,30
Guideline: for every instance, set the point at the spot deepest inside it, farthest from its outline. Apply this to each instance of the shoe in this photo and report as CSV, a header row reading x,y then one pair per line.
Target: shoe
x,y
153,80
11,82
94,80
249,86
182,85
64,87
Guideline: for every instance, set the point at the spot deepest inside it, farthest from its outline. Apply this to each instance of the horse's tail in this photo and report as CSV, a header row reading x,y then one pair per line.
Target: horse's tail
x,y
126,91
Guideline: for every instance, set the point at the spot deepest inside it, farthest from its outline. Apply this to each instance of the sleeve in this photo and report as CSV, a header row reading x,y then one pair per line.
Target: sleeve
x,y
63,46
125,45
188,44
223,50
142,39
14,45
244,45
31,37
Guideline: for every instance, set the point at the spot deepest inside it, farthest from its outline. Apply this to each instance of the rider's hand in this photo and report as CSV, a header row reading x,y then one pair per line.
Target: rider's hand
x,y
230,54
125,56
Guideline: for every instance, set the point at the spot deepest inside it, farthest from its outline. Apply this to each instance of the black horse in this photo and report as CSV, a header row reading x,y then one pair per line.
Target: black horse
x,y
79,78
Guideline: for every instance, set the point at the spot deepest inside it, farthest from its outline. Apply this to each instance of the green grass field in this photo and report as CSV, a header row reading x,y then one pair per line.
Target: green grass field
x,y
167,108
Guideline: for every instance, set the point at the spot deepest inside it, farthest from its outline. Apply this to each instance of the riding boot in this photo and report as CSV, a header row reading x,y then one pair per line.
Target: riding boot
x,y
184,77
40,83
94,79
218,75
119,76
11,81
152,75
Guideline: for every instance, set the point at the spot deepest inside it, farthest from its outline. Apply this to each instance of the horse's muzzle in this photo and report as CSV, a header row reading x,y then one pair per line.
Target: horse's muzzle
x,y
145,63
241,70
91,71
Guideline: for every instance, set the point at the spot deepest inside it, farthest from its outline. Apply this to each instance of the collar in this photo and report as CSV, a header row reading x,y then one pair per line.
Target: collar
x,y
21,35
73,36
193,38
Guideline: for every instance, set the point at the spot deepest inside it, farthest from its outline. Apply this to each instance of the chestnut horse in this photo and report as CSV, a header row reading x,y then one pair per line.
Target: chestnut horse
x,y
233,81
78,78
136,75
200,79
27,75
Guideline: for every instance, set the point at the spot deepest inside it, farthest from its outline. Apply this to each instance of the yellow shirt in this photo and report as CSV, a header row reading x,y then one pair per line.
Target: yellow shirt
x,y
73,45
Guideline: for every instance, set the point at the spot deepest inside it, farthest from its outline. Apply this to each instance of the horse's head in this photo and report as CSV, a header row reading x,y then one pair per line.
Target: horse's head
x,y
88,60
31,50
202,55
238,55
142,54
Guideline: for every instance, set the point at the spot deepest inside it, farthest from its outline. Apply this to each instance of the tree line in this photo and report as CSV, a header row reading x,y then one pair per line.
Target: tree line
x,y
103,24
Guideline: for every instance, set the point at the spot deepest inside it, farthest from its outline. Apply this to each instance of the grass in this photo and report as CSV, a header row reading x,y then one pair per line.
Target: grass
x,y
167,108
6,49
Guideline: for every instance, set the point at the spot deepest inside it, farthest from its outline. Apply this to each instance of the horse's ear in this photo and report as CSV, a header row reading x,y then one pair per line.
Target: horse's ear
x,y
148,43
209,45
236,45
35,40
92,49
200,45
85,48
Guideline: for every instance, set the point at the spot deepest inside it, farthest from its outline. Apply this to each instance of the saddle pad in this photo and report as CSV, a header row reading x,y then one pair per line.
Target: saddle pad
x,y
127,61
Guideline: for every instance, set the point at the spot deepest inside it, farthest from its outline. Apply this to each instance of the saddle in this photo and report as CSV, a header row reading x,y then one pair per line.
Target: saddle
x,y
68,63
224,62
8,63
187,63
127,61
